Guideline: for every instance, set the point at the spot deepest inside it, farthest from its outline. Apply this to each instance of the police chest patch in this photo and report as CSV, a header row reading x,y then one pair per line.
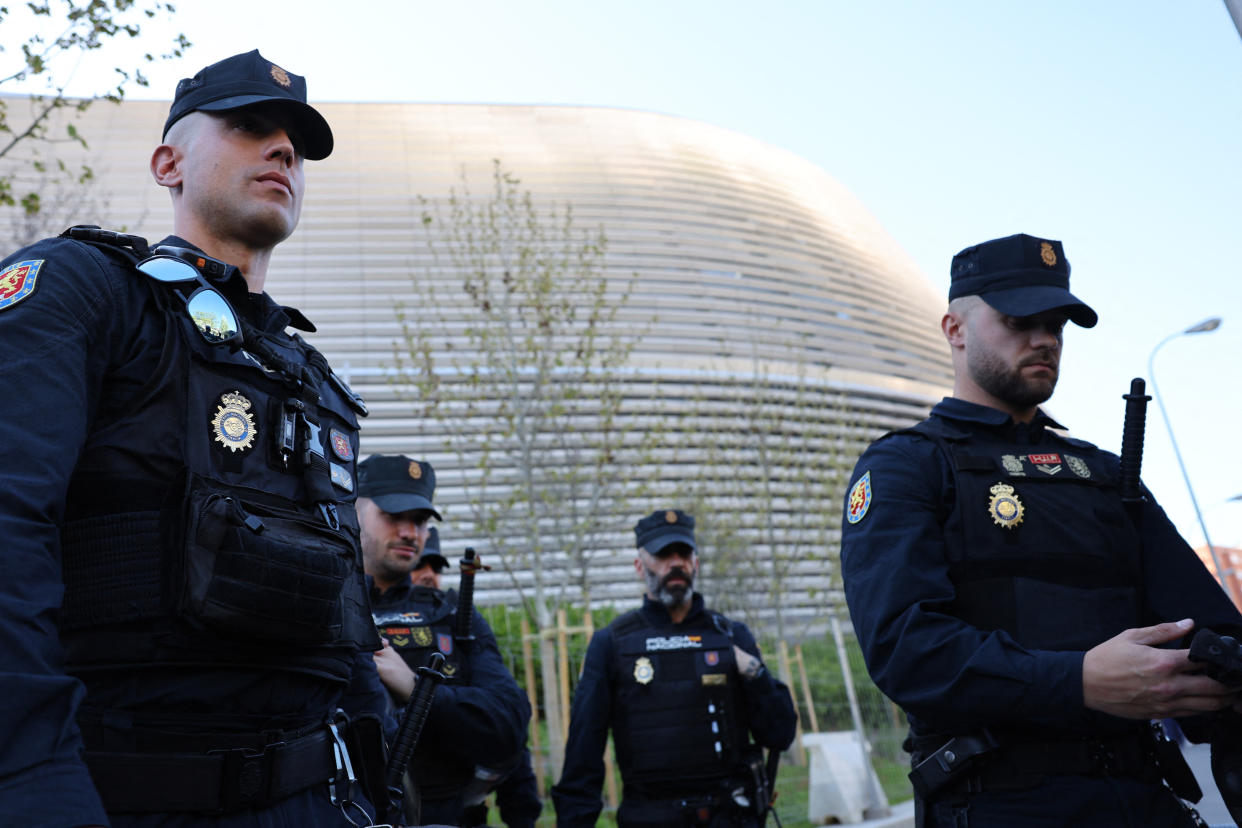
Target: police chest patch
x,y
444,642
234,424
18,281
1005,507
644,671
860,499
674,642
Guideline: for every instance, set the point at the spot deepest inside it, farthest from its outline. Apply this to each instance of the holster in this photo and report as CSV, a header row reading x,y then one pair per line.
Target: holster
x,y
951,761
365,741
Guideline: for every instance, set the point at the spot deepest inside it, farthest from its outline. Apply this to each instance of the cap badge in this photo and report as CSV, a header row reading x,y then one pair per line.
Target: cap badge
x,y
421,636
416,471
234,425
1078,466
1007,511
860,499
1046,254
18,281
281,76
670,516
644,672
341,446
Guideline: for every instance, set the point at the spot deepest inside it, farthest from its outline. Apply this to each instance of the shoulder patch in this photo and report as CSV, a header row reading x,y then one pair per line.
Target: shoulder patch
x,y
860,499
17,281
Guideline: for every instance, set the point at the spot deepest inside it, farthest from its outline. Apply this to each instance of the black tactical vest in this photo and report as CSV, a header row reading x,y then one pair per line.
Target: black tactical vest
x,y
252,540
677,701
422,625
1038,542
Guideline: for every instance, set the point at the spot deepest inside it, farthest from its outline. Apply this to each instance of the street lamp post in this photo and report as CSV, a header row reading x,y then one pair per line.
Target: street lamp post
x,y
1206,326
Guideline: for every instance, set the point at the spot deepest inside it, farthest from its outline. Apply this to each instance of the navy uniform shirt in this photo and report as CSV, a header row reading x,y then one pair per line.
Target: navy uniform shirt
x,y
949,676
769,713
79,344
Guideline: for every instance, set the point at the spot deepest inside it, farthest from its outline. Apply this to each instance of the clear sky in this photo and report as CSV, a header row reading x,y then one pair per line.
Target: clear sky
x,y
1113,125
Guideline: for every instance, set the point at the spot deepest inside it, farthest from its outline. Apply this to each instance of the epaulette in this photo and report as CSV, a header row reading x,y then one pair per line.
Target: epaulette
x,y
133,248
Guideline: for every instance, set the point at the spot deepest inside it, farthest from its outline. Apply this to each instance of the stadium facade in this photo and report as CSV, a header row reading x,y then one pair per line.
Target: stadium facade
x,y
746,258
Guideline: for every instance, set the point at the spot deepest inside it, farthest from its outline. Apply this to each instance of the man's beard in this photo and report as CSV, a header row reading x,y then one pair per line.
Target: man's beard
x,y
670,596
1008,384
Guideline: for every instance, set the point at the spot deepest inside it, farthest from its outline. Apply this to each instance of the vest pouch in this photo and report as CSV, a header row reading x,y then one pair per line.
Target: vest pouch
x,y
256,571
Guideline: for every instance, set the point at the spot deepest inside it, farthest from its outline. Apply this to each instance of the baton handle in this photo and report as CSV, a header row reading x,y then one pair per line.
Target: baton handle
x,y
1132,441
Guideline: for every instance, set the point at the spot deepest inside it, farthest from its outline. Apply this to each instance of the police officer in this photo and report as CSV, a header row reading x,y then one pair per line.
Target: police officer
x,y
182,602
686,695
475,734
1028,622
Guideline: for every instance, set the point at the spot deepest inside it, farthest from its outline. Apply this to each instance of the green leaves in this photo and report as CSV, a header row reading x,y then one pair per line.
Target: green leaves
x,y
61,31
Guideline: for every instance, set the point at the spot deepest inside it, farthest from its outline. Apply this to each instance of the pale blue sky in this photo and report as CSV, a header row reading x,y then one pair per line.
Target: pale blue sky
x,y
1113,125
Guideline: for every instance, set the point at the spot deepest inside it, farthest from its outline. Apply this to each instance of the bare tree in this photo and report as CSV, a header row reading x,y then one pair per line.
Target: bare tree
x,y
517,354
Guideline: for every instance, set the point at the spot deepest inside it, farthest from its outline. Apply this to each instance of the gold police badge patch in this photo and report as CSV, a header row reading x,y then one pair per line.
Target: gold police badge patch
x,y
1046,254
233,424
644,671
421,636
1007,511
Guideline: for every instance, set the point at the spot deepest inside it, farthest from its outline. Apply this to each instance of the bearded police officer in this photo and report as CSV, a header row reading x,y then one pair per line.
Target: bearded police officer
x,y
475,734
686,695
1029,623
182,604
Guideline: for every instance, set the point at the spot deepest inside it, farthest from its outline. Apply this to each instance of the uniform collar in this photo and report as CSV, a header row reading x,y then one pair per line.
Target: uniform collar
x,y
952,408
260,308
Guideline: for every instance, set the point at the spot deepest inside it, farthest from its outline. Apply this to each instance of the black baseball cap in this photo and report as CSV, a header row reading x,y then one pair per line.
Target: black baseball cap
x,y
397,484
431,552
1019,275
246,80
662,528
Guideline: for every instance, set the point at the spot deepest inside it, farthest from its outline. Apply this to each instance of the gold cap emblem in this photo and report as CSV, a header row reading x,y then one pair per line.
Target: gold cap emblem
x,y
416,471
233,424
644,671
670,516
1007,511
281,76
1047,254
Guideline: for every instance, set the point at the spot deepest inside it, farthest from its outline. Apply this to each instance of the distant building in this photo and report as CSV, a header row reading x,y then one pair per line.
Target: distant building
x,y
746,255
1231,562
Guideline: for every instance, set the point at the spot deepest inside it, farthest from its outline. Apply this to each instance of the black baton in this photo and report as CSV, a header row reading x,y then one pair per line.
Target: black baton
x,y
411,728
470,564
1132,442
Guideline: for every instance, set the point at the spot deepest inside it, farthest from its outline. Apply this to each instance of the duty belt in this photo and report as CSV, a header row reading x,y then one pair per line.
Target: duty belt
x,y
218,779
1024,764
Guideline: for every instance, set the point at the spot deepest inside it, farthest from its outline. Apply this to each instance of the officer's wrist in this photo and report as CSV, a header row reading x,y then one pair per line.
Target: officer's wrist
x,y
754,671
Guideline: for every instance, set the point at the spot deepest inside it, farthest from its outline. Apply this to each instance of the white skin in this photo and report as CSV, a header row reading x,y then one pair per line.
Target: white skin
x,y
391,545
669,579
237,183
1011,364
